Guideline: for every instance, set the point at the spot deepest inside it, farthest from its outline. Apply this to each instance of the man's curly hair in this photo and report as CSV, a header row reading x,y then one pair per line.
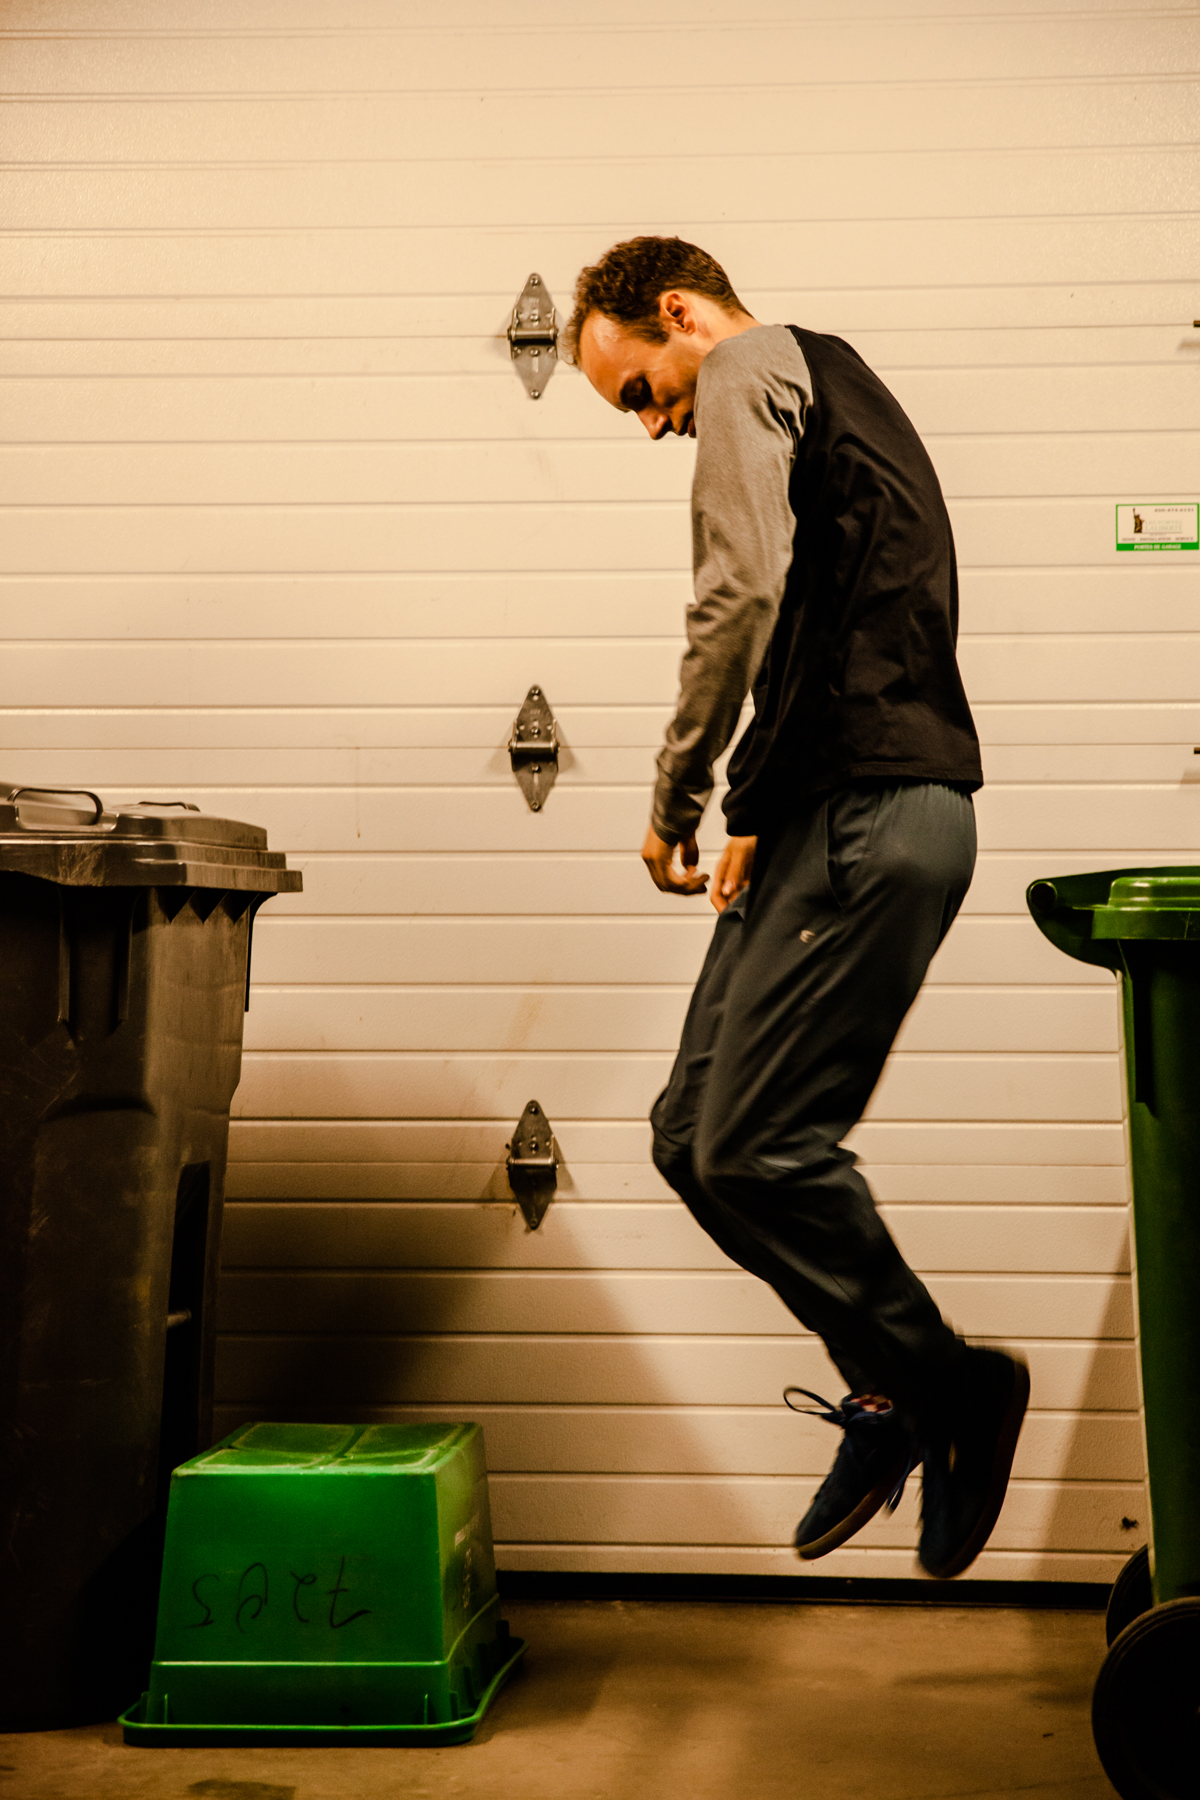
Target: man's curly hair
x,y
628,280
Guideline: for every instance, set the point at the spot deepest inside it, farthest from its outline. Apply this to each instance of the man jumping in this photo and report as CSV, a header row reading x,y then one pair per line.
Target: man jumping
x,y
825,584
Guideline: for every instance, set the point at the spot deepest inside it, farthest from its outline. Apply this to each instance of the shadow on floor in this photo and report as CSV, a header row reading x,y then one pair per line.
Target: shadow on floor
x,y
619,1699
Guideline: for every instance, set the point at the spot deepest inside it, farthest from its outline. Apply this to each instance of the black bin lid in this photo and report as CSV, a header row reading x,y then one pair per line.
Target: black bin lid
x,y
69,836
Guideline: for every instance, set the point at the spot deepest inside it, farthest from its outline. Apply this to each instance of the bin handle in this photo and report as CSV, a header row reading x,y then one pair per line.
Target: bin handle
x,y
87,793
187,805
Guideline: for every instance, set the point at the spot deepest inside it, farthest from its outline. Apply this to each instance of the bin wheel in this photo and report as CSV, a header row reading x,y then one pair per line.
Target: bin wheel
x,y
1132,1594
1145,1705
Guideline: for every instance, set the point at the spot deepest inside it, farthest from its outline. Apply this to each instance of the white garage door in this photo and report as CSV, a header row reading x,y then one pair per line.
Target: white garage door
x,y
286,536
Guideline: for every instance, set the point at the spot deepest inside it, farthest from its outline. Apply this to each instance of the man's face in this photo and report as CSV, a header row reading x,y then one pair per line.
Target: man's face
x,y
655,381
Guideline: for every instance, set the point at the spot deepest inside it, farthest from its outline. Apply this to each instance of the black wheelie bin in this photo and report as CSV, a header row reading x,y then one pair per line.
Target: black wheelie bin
x,y
1144,924
124,964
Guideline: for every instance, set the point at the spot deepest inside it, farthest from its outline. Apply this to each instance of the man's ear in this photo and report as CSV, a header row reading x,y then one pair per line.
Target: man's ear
x,y
675,309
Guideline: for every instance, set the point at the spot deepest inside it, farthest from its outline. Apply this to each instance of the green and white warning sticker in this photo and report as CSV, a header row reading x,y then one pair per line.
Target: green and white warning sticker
x,y
1158,525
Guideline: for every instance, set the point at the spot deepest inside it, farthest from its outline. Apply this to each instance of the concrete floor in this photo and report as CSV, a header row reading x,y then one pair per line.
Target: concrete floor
x,y
619,1699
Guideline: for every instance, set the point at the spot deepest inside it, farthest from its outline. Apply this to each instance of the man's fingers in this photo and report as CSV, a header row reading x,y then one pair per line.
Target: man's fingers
x,y
659,859
733,871
672,881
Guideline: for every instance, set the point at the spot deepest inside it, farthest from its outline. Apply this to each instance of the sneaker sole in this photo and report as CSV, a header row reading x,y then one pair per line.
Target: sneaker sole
x,y
1006,1449
866,1509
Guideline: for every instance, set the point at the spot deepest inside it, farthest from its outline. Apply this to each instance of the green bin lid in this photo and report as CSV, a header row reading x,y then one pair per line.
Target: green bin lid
x,y
69,836
1123,904
329,1449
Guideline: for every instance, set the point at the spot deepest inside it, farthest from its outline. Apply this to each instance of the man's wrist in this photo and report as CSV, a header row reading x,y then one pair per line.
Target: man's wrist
x,y
674,813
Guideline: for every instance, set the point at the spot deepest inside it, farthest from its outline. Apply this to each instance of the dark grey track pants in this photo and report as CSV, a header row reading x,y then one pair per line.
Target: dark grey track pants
x,y
805,985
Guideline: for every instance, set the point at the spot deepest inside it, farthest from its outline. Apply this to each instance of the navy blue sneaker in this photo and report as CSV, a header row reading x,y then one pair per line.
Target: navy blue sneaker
x,y
877,1454
969,1459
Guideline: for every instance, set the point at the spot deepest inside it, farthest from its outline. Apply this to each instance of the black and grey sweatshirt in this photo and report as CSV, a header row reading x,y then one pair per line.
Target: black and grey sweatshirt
x,y
825,582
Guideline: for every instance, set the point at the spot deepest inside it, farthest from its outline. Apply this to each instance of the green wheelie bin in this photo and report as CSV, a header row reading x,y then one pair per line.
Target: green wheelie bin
x,y
1144,924
124,959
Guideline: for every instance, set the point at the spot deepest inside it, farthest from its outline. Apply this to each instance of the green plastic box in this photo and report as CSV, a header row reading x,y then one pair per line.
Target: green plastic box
x,y
327,1584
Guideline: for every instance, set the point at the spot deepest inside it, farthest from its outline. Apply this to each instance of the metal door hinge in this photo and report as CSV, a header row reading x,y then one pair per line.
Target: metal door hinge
x,y
533,1164
533,748
533,337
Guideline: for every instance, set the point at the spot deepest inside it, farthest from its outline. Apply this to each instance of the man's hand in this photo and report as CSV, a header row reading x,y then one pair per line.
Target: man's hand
x,y
659,858
733,871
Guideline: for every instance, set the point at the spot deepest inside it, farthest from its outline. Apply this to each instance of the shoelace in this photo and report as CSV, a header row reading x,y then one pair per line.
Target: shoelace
x,y
837,1415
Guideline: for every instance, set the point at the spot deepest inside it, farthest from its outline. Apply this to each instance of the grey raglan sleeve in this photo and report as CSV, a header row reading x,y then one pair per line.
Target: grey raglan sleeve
x,y
749,418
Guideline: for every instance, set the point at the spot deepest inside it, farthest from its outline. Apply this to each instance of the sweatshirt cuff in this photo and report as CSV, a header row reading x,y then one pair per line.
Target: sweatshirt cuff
x,y
675,814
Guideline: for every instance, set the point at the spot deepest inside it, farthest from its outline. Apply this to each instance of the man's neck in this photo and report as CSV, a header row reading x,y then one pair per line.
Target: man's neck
x,y
727,325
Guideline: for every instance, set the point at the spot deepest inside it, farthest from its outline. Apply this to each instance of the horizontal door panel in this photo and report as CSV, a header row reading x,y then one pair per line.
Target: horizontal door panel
x,y
1058,764
1151,597
1084,1238
852,1560
1011,1019
365,1086
306,1085
920,1086
415,886
386,726
532,884
718,1304
350,768
351,538
310,1178
999,1184
1084,817
432,1018
394,605
490,766
618,1440
1137,722
335,197
489,950
1037,1239
926,252
1117,668
606,536
503,56
477,313
460,1179
475,352
1154,596
1091,465
408,408
481,673
364,1303
439,1140
486,124
655,950
593,1018
882,1141
1120,668
310,1152
1002,877
754,1509
405,886
462,1372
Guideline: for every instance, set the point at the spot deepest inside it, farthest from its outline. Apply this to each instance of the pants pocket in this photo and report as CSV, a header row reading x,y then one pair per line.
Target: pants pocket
x,y
850,817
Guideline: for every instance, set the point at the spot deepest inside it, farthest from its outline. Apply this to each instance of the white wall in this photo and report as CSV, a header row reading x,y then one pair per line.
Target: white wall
x,y
285,536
